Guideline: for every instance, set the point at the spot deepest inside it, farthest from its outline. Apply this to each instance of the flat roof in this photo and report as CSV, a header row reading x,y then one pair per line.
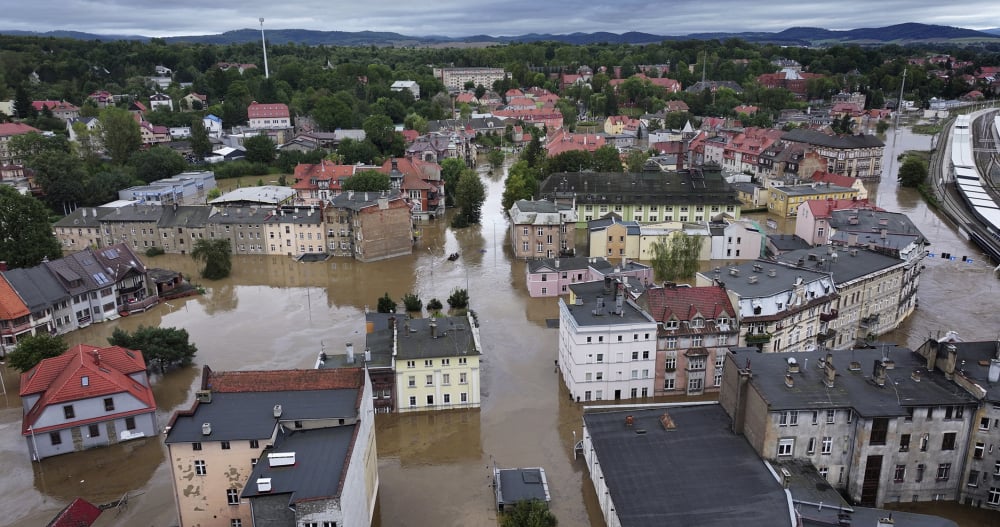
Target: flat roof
x,y
266,194
697,473
521,484
453,338
845,264
587,313
766,285
320,457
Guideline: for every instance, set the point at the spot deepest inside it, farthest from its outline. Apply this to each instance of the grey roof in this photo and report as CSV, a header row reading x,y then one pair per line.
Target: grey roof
x,y
870,221
521,484
454,338
749,188
812,189
852,389
569,264
681,187
767,285
845,265
68,273
814,137
713,85
83,217
672,477
240,215
320,458
787,242
378,342
361,200
135,213
531,205
587,295
894,242
975,360
187,216
609,219
249,415
267,194
36,286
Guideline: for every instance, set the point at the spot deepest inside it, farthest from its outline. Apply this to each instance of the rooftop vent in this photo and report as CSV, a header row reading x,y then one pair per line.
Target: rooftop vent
x,y
281,459
203,396
772,272
206,429
263,484
752,279
277,411
793,365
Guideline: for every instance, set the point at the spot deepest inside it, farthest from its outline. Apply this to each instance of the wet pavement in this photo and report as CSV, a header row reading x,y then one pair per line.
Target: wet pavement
x,y
434,468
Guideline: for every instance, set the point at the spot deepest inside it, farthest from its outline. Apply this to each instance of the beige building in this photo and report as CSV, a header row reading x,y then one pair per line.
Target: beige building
x,y
437,364
369,226
540,229
238,455
857,156
784,201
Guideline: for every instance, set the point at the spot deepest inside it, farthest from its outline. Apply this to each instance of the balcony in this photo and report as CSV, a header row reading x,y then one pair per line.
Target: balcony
x,y
826,317
824,336
141,305
758,338
869,321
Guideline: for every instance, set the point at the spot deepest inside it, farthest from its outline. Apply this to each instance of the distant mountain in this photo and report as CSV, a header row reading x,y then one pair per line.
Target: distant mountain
x,y
794,36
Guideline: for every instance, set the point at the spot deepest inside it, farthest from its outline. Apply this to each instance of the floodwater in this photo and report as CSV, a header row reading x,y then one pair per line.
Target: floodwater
x,y
434,467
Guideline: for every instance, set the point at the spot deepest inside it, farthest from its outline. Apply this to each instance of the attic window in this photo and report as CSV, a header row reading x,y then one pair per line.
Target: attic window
x,y
671,324
698,322
85,381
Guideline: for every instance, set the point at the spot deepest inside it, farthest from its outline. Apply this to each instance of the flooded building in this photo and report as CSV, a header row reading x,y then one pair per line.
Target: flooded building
x,y
280,447
542,229
368,226
437,364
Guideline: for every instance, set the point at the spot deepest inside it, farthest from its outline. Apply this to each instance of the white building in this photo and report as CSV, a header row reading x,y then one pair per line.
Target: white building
x,y
412,86
736,240
607,344
454,79
213,125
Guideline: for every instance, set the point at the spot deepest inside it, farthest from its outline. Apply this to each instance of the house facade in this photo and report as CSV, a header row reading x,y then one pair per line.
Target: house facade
x,y
368,226
553,276
268,116
438,364
241,454
857,156
542,229
607,343
85,398
784,201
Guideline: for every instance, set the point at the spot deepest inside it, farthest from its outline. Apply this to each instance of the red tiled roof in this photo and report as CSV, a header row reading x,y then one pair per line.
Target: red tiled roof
x,y
282,380
260,111
324,170
53,105
9,129
79,513
685,303
61,379
410,136
465,97
563,141
834,179
824,208
12,306
513,92
416,167
747,109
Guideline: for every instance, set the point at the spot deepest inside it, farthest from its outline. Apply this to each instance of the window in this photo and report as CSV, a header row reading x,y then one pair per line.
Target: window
x,y
199,467
920,473
696,341
668,383
94,430
944,471
233,496
445,362
695,384
429,363
225,445
973,480
831,416
811,446
904,443
109,404
909,414
824,472
880,428
815,417
924,439
670,363
930,413
464,397
430,400
411,364
235,522
68,411
600,375
130,423
984,423
447,398
196,446
786,446
996,468
445,379
413,401
462,378
635,355
254,443
979,450
671,343
994,496
899,474
948,441
411,381
429,380
600,357
827,445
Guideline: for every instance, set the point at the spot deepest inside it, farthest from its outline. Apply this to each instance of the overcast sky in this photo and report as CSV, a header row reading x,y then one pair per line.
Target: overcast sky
x,y
158,18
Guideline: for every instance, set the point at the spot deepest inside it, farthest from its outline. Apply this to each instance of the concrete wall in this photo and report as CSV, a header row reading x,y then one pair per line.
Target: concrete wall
x,y
76,438
269,510
201,499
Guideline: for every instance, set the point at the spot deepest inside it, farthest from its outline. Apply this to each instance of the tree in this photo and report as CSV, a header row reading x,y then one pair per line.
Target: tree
x,y
32,349
412,302
480,91
26,237
534,154
201,146
381,132
416,122
521,183
636,160
386,304
676,256
607,159
459,299
164,347
495,158
103,186
353,152
60,176
119,134
434,305
22,103
469,196
913,172
367,181
260,149
157,163
528,513
217,256
451,170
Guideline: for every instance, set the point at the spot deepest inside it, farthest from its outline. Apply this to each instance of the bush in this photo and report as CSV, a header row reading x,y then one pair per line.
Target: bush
x,y
234,169
386,304
154,251
435,305
412,302
459,299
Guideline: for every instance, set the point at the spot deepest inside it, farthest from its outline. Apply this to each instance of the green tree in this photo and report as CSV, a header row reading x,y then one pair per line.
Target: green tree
x,y
534,154
260,149
214,193
495,158
156,163
913,172
434,305
164,347
216,254
416,122
569,161
60,176
352,152
103,186
201,146
469,196
382,133
27,146
412,302
32,349
367,181
607,159
386,304
26,236
451,170
480,91
521,183
636,160
22,103
528,513
119,134
675,256
459,299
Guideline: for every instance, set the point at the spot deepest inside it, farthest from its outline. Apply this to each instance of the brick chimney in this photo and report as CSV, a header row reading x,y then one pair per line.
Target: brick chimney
x,y
829,371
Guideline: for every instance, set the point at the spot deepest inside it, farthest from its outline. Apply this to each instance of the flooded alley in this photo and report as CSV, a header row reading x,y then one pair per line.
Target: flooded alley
x,y
434,468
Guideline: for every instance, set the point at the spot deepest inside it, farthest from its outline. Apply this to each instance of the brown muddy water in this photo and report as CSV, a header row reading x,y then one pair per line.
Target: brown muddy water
x,y
434,468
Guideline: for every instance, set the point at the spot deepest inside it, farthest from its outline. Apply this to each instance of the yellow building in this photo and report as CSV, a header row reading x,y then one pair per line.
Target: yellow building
x,y
785,201
614,239
437,364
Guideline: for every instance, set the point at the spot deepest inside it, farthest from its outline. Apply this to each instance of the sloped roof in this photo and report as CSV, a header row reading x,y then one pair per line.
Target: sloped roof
x,y
79,513
685,303
36,286
11,305
262,111
9,129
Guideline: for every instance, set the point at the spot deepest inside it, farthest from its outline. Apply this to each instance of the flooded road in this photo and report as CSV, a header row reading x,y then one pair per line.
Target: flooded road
x,y
434,468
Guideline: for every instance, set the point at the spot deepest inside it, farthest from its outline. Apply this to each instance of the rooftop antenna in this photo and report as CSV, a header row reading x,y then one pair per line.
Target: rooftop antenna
x,y
263,45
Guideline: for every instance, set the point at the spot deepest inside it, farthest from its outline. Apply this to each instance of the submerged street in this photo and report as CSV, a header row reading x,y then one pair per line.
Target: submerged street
x,y
434,468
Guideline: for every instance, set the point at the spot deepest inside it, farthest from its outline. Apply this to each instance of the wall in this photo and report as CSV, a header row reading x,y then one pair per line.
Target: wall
x,y
201,499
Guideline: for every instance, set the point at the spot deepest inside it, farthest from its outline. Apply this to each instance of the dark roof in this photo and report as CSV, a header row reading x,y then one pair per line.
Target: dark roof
x,y
539,205
249,415
187,216
811,189
568,264
814,137
134,213
749,188
853,389
587,295
668,477
360,200
84,217
787,242
521,484
36,286
680,187
975,359
320,457
845,265
632,227
454,338
783,280
871,221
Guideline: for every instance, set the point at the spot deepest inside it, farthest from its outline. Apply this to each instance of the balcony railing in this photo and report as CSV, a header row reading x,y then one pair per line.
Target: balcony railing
x,y
826,317
824,336
758,338
142,305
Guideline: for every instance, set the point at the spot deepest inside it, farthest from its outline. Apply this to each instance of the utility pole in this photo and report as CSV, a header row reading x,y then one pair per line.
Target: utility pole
x,y
263,45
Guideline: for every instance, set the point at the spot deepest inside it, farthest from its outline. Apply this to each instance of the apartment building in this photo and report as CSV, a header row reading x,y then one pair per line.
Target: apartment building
x,y
542,229
368,226
784,201
437,364
857,156
454,79
607,343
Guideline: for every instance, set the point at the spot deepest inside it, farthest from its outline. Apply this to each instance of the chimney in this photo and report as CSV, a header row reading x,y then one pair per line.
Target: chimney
x,y
789,380
368,354
829,371
932,350
350,353
434,329
3,265
206,429
793,365
97,357
277,411
406,328
994,374
878,373
392,323
949,360
557,263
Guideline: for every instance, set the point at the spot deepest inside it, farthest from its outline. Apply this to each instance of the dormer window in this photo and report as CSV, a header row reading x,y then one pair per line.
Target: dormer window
x,y
698,322
671,324
722,321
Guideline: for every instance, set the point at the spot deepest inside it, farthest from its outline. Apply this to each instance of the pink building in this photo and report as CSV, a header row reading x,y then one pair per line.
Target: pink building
x,y
553,276
813,221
